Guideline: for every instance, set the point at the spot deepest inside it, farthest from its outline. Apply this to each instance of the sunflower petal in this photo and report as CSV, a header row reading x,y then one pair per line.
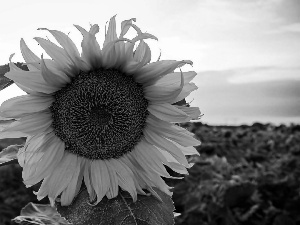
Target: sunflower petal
x,y
186,90
31,124
139,184
142,36
62,174
121,55
66,43
58,79
58,54
73,187
12,66
158,94
43,190
149,156
87,180
12,134
24,104
160,183
151,179
168,112
152,72
91,52
32,153
142,53
111,34
131,65
29,56
125,25
100,179
32,80
113,189
166,145
124,175
142,175
173,80
47,161
192,112
110,56
173,132
189,150
94,29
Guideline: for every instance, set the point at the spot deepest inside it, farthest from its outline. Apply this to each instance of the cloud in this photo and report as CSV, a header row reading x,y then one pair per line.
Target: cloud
x,y
264,74
288,10
268,101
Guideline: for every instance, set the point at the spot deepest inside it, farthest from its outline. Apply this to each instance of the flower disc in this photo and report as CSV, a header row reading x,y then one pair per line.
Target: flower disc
x,y
100,115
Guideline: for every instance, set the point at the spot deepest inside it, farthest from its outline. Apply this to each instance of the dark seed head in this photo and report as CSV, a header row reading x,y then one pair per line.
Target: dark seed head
x,y
100,115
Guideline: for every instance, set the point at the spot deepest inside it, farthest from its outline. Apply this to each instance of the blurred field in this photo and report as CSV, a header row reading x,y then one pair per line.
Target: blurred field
x,y
246,175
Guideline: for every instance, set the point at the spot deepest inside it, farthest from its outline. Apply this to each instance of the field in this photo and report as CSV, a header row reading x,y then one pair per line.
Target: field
x,y
246,175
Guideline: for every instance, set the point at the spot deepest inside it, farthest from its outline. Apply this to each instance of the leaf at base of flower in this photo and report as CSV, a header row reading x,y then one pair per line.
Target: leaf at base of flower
x,y
4,81
40,214
147,210
9,155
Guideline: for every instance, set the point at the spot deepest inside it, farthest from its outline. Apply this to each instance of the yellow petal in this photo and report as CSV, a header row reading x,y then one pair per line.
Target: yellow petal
x,y
31,124
62,174
168,112
186,90
124,175
58,54
91,52
113,189
29,56
111,34
56,79
73,187
125,25
192,112
67,44
31,79
100,179
25,104
152,72
173,132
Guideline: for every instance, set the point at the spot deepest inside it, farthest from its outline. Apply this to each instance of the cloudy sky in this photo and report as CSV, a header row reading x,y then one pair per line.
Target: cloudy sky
x,y
246,52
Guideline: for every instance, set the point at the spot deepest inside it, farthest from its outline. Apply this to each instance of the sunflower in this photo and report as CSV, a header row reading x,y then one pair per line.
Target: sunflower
x,y
105,117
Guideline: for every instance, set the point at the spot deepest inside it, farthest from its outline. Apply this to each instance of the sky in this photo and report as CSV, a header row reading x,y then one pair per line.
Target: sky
x,y
246,52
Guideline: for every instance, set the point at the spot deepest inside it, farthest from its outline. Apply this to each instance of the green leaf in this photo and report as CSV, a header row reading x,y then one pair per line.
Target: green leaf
x,y
4,81
40,214
9,155
238,194
147,210
283,219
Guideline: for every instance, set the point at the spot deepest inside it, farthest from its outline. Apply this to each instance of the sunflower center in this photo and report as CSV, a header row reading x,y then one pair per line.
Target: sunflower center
x,y
100,115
